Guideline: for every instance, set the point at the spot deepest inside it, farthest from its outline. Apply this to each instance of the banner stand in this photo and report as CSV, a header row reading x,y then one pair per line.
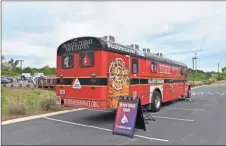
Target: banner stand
x,y
129,115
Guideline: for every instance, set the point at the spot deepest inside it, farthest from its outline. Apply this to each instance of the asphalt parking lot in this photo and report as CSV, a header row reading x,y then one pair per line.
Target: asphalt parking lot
x,y
199,121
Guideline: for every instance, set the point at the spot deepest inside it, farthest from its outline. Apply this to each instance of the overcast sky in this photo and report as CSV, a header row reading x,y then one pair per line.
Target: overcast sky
x,y
32,31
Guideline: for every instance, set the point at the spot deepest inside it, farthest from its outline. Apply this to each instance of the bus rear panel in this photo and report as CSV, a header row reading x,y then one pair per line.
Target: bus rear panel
x,y
82,75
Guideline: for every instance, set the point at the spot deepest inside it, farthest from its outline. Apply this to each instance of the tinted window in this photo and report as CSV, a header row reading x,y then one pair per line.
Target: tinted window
x,y
181,71
134,66
153,67
186,75
67,61
86,59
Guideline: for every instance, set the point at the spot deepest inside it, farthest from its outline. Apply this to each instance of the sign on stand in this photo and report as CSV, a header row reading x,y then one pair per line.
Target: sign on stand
x,y
129,115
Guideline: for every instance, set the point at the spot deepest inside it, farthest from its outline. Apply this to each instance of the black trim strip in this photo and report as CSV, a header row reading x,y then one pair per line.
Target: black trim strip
x,y
136,81
84,81
104,81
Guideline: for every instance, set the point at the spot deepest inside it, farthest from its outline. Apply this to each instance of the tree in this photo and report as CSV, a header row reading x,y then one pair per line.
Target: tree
x,y
13,63
224,70
28,70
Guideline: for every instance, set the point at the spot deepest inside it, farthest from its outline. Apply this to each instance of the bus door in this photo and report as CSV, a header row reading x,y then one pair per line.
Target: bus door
x,y
135,80
118,77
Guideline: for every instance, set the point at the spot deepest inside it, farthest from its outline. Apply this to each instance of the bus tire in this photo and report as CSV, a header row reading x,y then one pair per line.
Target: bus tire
x,y
189,94
152,106
156,101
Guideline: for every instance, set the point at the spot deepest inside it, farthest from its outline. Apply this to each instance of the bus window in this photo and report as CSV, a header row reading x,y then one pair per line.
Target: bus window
x,y
86,59
186,75
134,66
67,61
181,72
153,67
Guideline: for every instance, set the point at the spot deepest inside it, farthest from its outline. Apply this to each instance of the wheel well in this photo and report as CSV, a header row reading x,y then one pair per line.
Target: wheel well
x,y
158,90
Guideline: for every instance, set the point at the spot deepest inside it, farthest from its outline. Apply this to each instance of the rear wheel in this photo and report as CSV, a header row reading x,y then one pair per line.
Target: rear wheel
x,y
188,94
155,105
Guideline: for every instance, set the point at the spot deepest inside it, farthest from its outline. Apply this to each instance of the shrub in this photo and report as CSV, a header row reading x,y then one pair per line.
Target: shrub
x,y
28,85
20,85
11,85
16,105
48,101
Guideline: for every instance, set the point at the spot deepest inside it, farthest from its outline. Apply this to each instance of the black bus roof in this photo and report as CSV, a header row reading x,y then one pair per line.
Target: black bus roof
x,y
94,43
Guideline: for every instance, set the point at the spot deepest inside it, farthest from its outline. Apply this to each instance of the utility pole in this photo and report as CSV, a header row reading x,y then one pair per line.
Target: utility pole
x,y
196,62
193,64
21,62
218,71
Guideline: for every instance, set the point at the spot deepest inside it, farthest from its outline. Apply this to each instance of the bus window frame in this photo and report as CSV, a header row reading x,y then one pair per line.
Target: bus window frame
x,y
80,60
155,67
62,61
134,61
181,71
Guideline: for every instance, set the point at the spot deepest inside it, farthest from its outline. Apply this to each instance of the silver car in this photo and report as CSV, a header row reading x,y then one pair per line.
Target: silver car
x,y
4,80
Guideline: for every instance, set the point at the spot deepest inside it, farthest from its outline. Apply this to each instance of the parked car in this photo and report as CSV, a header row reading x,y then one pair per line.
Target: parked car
x,y
10,79
4,80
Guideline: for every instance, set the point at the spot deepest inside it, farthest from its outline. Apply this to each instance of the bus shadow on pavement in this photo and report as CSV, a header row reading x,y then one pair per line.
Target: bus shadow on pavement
x,y
169,103
101,117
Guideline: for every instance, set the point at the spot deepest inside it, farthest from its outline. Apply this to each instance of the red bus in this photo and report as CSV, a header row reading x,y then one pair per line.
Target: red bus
x,y
95,72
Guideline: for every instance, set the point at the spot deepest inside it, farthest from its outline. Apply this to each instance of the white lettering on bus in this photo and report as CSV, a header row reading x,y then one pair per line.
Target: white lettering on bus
x,y
82,103
118,47
155,81
80,45
164,69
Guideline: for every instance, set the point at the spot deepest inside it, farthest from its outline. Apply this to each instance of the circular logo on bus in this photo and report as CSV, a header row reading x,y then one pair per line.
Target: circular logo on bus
x,y
118,74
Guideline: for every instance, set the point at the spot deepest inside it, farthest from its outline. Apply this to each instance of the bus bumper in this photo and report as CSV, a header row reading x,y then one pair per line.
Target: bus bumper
x,y
87,103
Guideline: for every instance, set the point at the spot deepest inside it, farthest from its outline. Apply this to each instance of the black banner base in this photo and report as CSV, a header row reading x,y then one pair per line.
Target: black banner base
x,y
140,121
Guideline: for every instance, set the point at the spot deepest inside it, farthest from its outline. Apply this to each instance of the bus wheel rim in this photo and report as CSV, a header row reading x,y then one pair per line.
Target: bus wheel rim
x,y
157,101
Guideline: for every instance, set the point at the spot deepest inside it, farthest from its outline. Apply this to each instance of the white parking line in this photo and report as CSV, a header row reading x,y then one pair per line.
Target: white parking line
x,y
106,111
186,109
223,93
204,100
104,129
218,93
197,103
173,118
201,93
210,93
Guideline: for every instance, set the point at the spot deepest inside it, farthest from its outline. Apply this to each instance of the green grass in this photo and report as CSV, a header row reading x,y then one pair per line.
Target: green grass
x,y
22,101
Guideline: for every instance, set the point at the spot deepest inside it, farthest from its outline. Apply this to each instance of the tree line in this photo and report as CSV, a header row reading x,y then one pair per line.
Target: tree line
x,y
11,67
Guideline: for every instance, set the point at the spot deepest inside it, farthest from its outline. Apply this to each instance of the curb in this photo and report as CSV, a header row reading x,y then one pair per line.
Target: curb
x,y
38,116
